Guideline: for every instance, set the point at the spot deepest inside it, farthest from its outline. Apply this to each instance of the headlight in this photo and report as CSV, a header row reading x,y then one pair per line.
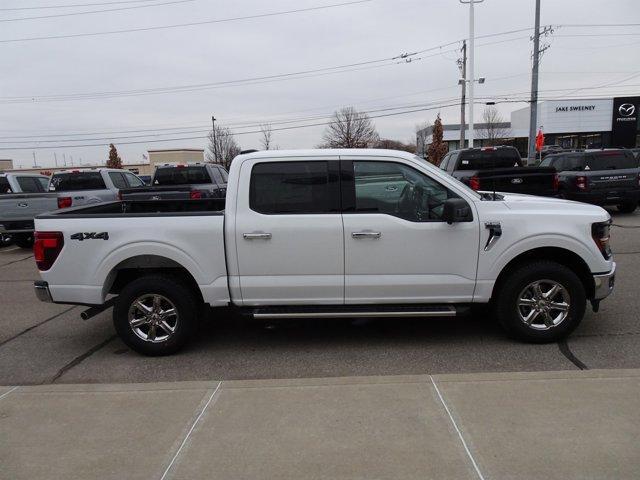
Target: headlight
x,y
601,233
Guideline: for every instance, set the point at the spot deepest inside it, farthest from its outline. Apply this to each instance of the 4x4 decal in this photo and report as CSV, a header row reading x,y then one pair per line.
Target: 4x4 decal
x,y
90,236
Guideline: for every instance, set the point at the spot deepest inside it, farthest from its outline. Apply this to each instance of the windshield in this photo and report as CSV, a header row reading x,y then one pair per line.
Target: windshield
x,y
181,176
458,183
488,159
62,182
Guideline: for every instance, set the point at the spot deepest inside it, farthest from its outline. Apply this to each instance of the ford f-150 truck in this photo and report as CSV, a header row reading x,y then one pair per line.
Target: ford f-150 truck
x,y
22,197
328,233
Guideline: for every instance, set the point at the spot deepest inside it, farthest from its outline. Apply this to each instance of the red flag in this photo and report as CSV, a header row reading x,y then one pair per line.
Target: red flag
x,y
539,140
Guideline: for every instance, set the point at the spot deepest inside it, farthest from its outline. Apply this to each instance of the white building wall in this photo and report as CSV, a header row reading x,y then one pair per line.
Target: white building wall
x,y
568,116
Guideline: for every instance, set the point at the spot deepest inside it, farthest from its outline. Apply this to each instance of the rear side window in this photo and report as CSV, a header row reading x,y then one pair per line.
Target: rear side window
x,y
4,186
611,160
216,175
64,182
293,188
118,180
181,175
487,159
225,175
44,183
29,184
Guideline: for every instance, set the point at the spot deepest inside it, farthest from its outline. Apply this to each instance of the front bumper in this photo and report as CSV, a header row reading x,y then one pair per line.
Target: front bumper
x,y
42,291
603,283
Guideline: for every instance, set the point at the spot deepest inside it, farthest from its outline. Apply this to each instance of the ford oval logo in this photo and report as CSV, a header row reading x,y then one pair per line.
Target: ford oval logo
x,y
23,205
155,197
516,181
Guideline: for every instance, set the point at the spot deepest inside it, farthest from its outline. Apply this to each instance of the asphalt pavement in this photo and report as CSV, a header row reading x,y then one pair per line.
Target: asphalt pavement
x,y
45,343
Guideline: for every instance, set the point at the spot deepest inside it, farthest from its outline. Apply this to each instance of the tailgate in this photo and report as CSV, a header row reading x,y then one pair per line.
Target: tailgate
x,y
26,206
534,181
156,193
620,180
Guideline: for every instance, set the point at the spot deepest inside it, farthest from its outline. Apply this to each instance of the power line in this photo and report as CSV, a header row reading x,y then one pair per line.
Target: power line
x,y
46,7
72,14
189,24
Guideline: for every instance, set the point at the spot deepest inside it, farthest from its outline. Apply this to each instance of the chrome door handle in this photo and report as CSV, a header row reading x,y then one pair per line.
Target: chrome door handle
x,y
256,236
366,234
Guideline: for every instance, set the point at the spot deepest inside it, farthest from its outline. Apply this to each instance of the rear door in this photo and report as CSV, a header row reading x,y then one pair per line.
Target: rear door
x,y
397,248
288,232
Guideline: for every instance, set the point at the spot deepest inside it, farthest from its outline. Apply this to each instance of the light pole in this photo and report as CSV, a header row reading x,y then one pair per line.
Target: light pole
x,y
471,66
213,133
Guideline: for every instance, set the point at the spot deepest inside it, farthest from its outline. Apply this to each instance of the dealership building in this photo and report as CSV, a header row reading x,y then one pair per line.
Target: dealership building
x,y
575,123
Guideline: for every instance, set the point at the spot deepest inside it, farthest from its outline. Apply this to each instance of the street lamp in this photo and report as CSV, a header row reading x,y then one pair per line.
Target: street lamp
x,y
471,65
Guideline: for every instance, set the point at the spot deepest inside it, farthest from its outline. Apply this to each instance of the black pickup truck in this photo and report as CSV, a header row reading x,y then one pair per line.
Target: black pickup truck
x,y
499,169
193,181
601,177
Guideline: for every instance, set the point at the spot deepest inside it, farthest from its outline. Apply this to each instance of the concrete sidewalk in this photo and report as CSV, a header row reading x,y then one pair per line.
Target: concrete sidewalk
x,y
583,424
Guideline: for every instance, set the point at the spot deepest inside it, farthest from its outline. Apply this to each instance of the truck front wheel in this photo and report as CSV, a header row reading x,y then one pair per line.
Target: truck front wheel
x,y
156,315
540,302
628,207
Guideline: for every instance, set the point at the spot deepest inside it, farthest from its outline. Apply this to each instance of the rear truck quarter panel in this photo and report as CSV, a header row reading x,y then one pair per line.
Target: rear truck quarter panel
x,y
86,274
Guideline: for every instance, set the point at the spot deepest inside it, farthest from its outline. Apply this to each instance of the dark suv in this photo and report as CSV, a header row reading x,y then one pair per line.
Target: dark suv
x,y
601,177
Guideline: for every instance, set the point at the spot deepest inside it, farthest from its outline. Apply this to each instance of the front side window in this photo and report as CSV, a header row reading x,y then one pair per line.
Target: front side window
x,y
216,175
44,183
133,181
293,188
225,175
398,190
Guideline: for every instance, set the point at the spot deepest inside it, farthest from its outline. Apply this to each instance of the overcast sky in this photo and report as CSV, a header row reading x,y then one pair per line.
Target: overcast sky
x,y
295,42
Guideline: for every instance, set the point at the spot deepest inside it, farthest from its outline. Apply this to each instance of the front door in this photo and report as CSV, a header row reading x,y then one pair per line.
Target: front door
x,y
397,248
289,235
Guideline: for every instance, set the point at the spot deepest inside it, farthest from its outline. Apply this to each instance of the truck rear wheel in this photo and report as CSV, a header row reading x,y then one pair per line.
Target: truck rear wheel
x,y
628,207
156,315
23,240
540,302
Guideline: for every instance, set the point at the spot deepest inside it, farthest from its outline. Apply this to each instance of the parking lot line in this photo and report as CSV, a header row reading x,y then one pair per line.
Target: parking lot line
x,y
8,392
175,456
455,425
12,249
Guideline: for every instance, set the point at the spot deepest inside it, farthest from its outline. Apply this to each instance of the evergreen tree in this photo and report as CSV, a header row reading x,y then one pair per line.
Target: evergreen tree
x,y
114,159
437,148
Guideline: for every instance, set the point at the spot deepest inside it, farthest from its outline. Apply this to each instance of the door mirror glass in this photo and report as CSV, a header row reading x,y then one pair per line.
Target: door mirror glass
x,y
456,210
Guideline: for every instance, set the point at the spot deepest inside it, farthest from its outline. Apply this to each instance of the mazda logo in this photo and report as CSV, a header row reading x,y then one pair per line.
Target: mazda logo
x,y
627,109
516,181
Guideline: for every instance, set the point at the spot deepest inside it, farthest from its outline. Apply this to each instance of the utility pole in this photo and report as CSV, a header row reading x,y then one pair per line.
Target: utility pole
x,y
55,158
215,147
463,67
533,103
472,78
34,159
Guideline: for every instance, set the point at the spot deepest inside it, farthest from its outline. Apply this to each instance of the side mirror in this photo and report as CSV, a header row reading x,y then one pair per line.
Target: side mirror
x,y
456,210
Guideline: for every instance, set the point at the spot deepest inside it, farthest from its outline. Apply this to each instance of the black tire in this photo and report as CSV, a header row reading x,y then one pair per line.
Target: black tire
x,y
183,299
5,240
23,240
628,207
513,287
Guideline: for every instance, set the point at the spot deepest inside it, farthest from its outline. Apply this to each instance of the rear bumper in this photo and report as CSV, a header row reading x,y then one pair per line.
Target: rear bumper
x,y
605,198
17,226
42,291
604,283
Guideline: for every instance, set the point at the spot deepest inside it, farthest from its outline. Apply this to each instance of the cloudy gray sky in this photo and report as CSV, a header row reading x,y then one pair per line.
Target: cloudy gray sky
x,y
205,55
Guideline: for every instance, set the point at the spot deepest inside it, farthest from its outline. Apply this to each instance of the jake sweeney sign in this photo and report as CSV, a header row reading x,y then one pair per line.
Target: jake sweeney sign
x,y
574,108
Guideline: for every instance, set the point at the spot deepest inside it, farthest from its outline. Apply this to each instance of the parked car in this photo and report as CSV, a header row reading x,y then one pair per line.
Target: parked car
x,y
601,177
499,169
22,197
548,149
86,186
328,233
192,181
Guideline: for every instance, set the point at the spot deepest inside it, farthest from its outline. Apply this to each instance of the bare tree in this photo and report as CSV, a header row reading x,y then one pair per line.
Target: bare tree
x,y
222,148
265,140
395,145
495,127
349,128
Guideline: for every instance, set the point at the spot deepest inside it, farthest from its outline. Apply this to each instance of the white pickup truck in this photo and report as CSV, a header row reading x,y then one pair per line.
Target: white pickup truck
x,y
328,233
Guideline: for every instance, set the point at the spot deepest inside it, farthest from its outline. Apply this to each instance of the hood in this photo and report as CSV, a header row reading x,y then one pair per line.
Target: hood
x,y
517,201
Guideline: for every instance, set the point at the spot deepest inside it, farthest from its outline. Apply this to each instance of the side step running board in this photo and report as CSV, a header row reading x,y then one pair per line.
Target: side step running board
x,y
344,311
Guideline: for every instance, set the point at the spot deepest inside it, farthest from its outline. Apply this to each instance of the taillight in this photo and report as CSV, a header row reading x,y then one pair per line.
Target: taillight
x,y
64,202
601,234
639,179
474,183
555,185
195,194
582,182
119,195
46,248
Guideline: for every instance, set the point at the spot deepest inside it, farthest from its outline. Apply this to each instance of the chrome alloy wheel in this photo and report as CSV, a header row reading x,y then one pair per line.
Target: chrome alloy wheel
x,y
543,304
153,318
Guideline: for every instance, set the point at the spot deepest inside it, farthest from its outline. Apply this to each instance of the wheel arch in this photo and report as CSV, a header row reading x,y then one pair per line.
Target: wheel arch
x,y
562,256
142,265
